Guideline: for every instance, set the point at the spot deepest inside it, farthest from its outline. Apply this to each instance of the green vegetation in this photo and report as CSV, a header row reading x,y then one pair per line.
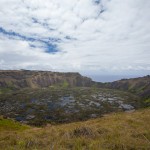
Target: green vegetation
x,y
5,90
62,85
11,125
65,84
119,131
147,102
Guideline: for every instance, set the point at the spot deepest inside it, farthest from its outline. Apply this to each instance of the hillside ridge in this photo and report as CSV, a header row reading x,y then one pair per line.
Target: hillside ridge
x,y
36,79
139,86
18,79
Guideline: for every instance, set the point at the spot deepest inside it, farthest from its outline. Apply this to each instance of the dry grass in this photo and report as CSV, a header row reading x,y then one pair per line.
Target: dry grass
x,y
121,131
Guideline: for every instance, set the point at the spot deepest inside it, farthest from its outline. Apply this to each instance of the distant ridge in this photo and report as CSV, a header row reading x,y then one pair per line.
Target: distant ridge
x,y
139,86
36,79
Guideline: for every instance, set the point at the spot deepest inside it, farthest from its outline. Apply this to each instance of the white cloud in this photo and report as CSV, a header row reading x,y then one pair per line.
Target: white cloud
x,y
112,36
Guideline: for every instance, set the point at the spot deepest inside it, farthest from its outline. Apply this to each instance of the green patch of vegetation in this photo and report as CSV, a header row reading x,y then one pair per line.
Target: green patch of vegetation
x,y
5,90
147,102
65,84
59,86
8,124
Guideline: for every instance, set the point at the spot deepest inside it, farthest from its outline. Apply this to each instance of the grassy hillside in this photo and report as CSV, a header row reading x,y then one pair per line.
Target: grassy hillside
x,y
139,86
124,131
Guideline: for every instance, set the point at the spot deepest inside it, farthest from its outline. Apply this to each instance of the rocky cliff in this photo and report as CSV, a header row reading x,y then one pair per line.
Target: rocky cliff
x,y
139,86
35,79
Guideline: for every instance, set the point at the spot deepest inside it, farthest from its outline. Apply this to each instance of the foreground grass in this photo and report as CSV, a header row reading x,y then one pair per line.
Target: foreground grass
x,y
126,131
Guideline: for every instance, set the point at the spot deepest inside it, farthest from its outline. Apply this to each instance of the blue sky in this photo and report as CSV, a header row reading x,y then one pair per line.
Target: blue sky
x,y
93,37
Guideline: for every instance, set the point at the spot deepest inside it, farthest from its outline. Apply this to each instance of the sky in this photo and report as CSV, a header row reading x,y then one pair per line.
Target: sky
x,y
93,37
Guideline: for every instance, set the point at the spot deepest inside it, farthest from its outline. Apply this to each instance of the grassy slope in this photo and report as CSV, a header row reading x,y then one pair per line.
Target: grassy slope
x,y
10,125
116,131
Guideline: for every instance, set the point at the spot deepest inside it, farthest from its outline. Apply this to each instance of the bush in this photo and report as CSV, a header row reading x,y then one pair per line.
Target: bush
x,y
83,131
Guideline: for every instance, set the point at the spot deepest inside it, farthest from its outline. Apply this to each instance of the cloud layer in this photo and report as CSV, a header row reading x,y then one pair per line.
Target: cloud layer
x,y
90,36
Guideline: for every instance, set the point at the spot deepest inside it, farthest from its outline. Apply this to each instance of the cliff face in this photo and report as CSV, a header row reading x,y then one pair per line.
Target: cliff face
x,y
139,86
35,79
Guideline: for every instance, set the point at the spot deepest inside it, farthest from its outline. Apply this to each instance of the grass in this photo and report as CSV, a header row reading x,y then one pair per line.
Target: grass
x,y
118,131
147,102
11,125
